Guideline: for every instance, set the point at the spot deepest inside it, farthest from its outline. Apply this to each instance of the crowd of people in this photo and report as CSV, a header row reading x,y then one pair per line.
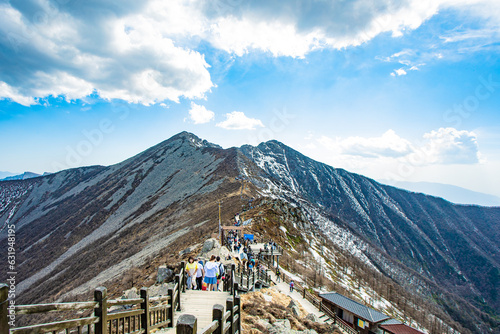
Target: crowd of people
x,y
246,256
211,274
205,276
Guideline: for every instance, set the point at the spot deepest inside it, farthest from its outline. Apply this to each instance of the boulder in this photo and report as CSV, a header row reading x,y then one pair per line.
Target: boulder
x,y
292,303
164,274
265,323
130,294
309,331
185,251
160,290
312,317
280,327
208,245
295,311
116,308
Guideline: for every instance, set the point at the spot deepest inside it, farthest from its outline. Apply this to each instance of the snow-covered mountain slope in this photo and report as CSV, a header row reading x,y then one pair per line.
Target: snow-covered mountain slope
x,y
453,247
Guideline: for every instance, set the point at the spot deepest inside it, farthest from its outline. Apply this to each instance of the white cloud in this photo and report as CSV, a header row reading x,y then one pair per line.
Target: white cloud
x,y
199,114
144,51
86,47
237,120
447,146
398,72
387,145
439,147
13,94
296,28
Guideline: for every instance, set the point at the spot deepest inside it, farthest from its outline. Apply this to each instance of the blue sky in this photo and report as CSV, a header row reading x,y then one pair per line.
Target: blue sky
x,y
403,90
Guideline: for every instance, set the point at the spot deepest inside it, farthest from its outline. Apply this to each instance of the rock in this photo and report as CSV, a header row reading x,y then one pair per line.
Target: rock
x,y
208,245
312,317
164,274
130,294
160,290
280,327
163,289
116,308
292,303
185,251
295,311
309,331
265,323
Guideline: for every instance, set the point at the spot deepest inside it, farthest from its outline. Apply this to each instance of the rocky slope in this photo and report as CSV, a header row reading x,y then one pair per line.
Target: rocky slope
x,y
82,227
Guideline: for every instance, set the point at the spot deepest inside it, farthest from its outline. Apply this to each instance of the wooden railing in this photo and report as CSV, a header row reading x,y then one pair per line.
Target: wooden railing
x,y
337,320
144,313
228,322
271,252
248,279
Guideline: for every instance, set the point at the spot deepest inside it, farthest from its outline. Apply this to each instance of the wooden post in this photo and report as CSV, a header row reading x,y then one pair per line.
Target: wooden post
x,y
229,307
235,290
217,314
233,278
4,312
187,324
145,319
101,296
237,301
171,310
320,304
178,280
304,292
183,274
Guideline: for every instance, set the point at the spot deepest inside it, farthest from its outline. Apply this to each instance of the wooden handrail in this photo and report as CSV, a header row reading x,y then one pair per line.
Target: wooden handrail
x,y
131,301
140,320
210,328
53,307
159,299
342,324
125,314
55,326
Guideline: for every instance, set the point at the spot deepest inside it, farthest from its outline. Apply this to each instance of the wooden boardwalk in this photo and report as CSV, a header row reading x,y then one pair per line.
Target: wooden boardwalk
x,y
199,304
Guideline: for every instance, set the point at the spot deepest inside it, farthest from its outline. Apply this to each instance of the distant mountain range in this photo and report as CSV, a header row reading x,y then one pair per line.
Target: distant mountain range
x,y
450,193
23,176
6,174
82,227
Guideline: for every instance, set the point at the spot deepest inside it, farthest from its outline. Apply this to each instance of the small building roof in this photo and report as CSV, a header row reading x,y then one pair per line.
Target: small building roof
x,y
391,322
354,307
400,329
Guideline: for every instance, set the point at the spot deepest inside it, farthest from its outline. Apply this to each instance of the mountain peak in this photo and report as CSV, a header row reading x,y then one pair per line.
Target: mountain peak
x,y
193,140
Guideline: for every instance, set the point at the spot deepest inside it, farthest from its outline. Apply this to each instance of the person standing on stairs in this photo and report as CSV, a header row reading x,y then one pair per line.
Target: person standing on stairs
x,y
199,275
191,268
211,271
221,273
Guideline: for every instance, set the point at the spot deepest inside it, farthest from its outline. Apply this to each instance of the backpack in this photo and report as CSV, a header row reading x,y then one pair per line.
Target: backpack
x,y
221,271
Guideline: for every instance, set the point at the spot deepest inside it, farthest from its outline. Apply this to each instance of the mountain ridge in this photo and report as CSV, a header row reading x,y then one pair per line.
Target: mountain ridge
x,y
425,244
